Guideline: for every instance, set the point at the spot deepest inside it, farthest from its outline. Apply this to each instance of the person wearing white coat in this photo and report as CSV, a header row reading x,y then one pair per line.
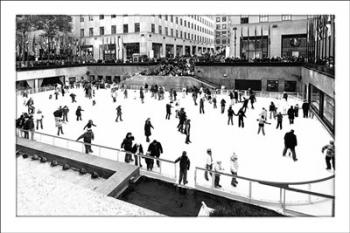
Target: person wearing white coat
x,y
234,169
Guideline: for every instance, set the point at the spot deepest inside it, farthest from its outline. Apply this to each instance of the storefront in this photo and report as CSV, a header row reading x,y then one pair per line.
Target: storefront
x,y
323,105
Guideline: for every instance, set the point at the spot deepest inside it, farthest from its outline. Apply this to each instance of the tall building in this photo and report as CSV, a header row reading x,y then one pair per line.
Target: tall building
x,y
222,31
259,36
112,37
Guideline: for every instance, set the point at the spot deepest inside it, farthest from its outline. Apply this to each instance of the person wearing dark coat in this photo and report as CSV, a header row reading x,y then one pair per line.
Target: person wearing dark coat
x,y
87,137
72,95
201,106
223,103
65,111
231,97
214,102
127,146
272,109
168,111
184,167
182,119
290,142
245,103
119,113
148,126
28,126
285,96
195,96
142,95
279,120
137,150
56,94
230,114
89,124
174,94
241,115
155,149
236,96
290,114
296,110
78,113
305,108
252,100
188,131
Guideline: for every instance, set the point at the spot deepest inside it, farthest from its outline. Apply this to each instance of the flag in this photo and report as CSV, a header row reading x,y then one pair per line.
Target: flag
x,y
33,45
262,38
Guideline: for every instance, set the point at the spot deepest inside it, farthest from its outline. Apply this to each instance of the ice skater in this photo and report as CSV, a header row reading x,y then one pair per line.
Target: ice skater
x,y
184,167
279,120
142,95
305,108
252,99
234,169
168,111
208,164
290,142
201,105
230,114
330,155
285,96
217,168
89,125
245,103
125,93
214,102
296,110
273,110
59,127
236,96
262,123
231,95
65,111
72,95
188,131
148,126
291,115
119,113
223,103
241,115
78,113
155,149
127,146
87,137
182,118
195,96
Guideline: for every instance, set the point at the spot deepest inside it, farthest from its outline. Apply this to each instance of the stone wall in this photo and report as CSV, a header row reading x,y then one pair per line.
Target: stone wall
x,y
321,81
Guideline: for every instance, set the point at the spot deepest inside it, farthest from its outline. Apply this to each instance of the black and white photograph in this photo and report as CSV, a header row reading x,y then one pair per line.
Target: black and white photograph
x,y
143,114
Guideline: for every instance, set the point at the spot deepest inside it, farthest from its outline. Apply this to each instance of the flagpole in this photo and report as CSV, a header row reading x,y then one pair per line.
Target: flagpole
x,y
248,43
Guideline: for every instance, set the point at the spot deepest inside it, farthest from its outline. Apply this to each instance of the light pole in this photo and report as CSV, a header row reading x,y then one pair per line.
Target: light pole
x,y
235,29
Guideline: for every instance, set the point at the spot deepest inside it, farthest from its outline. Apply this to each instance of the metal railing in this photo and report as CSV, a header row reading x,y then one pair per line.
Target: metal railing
x,y
166,169
288,196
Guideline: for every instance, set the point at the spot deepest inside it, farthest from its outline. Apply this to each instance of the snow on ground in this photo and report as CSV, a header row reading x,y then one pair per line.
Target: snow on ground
x,y
44,190
259,157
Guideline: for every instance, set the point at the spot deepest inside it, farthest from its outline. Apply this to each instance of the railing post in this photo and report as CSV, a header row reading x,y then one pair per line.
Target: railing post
x,y
195,177
118,155
309,196
160,167
53,141
212,180
99,151
250,190
284,201
333,207
175,171
67,144
82,148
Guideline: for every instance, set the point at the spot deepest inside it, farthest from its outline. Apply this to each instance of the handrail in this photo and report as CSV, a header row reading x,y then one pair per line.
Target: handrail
x,y
270,183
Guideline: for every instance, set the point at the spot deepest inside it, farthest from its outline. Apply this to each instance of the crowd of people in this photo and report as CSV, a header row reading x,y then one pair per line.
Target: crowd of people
x,y
26,123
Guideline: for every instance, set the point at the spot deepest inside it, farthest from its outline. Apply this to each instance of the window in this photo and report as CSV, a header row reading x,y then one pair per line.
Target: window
x,y
218,26
171,19
185,35
244,19
125,28
188,24
91,18
166,18
91,31
82,32
286,17
113,29
102,31
290,86
272,85
177,33
189,36
166,31
180,21
171,32
224,26
181,34
185,23
224,19
153,28
102,16
160,16
81,18
137,27
191,25
263,18
217,41
113,16
176,20
160,29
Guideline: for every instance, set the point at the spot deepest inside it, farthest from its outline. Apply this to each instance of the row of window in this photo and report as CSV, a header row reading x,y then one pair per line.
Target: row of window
x,y
223,41
178,34
166,17
221,26
264,18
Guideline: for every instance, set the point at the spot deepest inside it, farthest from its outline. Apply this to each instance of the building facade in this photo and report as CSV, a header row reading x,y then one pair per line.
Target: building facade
x,y
259,36
112,37
222,31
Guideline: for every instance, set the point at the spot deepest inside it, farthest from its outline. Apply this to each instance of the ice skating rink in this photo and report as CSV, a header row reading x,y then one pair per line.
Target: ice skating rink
x,y
259,157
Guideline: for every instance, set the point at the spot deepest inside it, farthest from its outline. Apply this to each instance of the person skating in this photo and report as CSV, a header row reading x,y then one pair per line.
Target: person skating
x,y
127,146
65,111
28,127
168,111
148,126
125,93
296,110
241,115
252,100
72,95
188,131
234,169
245,103
279,120
217,168
155,149
30,104
231,95
230,114
290,114
146,87
208,164
182,118
119,113
285,96
58,113
330,155
115,95
262,123
290,142
201,106
214,102
142,95
264,113
39,119
184,167
235,96
305,108
87,137
272,109
59,127
89,125
223,103
78,113
174,94
56,94
195,96
137,150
